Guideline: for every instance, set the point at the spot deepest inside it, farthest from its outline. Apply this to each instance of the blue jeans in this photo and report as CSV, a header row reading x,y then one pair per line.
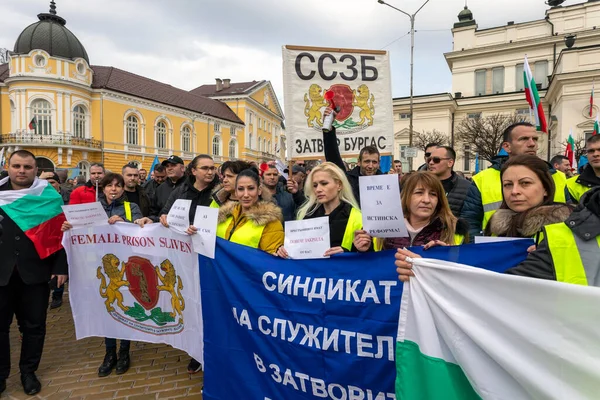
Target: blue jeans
x,y
111,344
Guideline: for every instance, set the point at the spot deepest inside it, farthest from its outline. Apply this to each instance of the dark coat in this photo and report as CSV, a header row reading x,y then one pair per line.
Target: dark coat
x,y
458,193
433,231
144,202
117,207
584,222
18,251
332,154
285,201
187,191
161,196
150,187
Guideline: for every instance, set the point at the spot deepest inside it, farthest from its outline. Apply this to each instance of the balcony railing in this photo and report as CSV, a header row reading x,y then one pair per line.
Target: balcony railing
x,y
25,139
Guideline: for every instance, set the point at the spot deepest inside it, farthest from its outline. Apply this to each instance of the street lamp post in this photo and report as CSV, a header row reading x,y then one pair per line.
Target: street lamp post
x,y
412,53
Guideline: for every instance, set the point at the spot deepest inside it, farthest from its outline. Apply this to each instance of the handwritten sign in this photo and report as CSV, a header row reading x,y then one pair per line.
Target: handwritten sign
x,y
179,215
308,238
205,240
381,207
84,215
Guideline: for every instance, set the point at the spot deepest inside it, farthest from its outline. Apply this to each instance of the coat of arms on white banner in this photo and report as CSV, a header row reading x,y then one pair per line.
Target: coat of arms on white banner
x,y
145,283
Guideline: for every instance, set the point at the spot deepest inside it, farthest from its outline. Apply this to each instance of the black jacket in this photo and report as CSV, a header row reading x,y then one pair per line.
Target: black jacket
x,y
338,219
18,251
332,154
150,188
161,196
144,202
458,193
187,191
584,222
285,201
117,207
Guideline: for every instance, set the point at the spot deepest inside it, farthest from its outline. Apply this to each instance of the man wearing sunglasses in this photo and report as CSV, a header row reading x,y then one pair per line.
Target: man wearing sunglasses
x,y
428,149
485,193
441,162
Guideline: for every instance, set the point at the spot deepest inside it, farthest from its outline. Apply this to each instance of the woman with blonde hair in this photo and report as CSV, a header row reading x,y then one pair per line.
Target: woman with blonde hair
x,y
427,215
329,194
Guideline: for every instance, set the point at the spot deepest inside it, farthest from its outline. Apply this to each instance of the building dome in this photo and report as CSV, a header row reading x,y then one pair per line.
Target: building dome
x,y
51,35
465,18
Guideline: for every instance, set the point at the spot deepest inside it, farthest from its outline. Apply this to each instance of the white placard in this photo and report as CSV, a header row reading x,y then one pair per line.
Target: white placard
x,y
205,240
179,215
381,207
361,85
83,215
493,239
308,238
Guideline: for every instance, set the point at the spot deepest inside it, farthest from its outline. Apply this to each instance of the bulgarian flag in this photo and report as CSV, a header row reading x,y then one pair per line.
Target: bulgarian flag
x,y
33,123
468,333
592,101
37,211
596,126
533,98
570,151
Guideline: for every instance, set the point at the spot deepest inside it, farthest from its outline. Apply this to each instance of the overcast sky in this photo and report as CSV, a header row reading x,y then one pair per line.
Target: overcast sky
x,y
187,43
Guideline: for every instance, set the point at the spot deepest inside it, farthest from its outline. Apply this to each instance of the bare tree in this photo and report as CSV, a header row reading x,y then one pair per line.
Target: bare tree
x,y
422,139
485,134
579,147
3,55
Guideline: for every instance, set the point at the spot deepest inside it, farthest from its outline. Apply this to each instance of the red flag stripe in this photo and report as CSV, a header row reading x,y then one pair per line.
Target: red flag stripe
x,y
47,237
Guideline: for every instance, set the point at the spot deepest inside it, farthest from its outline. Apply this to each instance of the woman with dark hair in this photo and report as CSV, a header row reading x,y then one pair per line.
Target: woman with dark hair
x,y
528,199
226,190
198,187
117,209
251,220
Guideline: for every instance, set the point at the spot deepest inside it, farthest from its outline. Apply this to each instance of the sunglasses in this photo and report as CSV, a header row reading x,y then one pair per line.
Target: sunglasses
x,y
436,160
427,155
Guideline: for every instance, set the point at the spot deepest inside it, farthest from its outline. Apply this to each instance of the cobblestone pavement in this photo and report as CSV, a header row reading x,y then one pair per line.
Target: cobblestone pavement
x,y
69,368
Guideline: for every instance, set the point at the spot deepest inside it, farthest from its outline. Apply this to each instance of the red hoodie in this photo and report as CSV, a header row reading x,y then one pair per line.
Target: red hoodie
x,y
83,194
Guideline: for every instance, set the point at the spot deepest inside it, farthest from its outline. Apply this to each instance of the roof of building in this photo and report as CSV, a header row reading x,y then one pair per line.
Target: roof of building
x,y
51,35
234,89
115,79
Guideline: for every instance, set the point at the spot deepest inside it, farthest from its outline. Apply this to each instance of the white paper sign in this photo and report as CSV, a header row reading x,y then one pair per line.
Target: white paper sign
x,y
381,207
493,239
179,215
83,215
308,238
205,240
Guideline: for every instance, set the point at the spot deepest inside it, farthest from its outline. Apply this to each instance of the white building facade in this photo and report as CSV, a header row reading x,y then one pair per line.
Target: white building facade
x,y
487,78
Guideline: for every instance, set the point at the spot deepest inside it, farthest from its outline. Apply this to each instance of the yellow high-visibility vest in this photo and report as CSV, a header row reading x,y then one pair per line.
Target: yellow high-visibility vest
x,y
576,190
249,234
354,224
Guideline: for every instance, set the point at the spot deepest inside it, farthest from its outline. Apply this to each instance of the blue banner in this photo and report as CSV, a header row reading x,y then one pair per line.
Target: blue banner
x,y
310,329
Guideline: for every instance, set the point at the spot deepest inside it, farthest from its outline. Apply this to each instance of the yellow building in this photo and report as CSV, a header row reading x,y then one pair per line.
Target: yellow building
x,y
70,113
256,104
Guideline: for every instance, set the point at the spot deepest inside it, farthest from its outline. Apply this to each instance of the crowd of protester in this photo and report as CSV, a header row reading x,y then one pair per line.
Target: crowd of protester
x,y
520,195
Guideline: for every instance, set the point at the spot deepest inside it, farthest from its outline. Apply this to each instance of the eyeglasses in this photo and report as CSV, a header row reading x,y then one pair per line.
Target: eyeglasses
x,y
205,168
427,155
436,160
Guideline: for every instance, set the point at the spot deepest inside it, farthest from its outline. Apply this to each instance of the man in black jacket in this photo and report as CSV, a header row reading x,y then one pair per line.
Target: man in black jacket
x,y
284,199
24,278
175,177
441,162
368,160
133,191
158,177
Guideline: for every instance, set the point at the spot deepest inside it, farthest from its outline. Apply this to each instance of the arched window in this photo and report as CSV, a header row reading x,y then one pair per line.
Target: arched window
x,y
41,121
132,130
250,141
161,135
13,117
185,138
79,119
216,146
44,164
84,169
232,149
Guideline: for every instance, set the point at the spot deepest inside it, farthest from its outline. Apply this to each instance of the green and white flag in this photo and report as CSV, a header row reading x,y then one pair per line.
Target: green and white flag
x,y
467,333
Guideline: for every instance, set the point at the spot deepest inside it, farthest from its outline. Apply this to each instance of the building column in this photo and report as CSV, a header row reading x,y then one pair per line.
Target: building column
x,y
59,113
69,115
